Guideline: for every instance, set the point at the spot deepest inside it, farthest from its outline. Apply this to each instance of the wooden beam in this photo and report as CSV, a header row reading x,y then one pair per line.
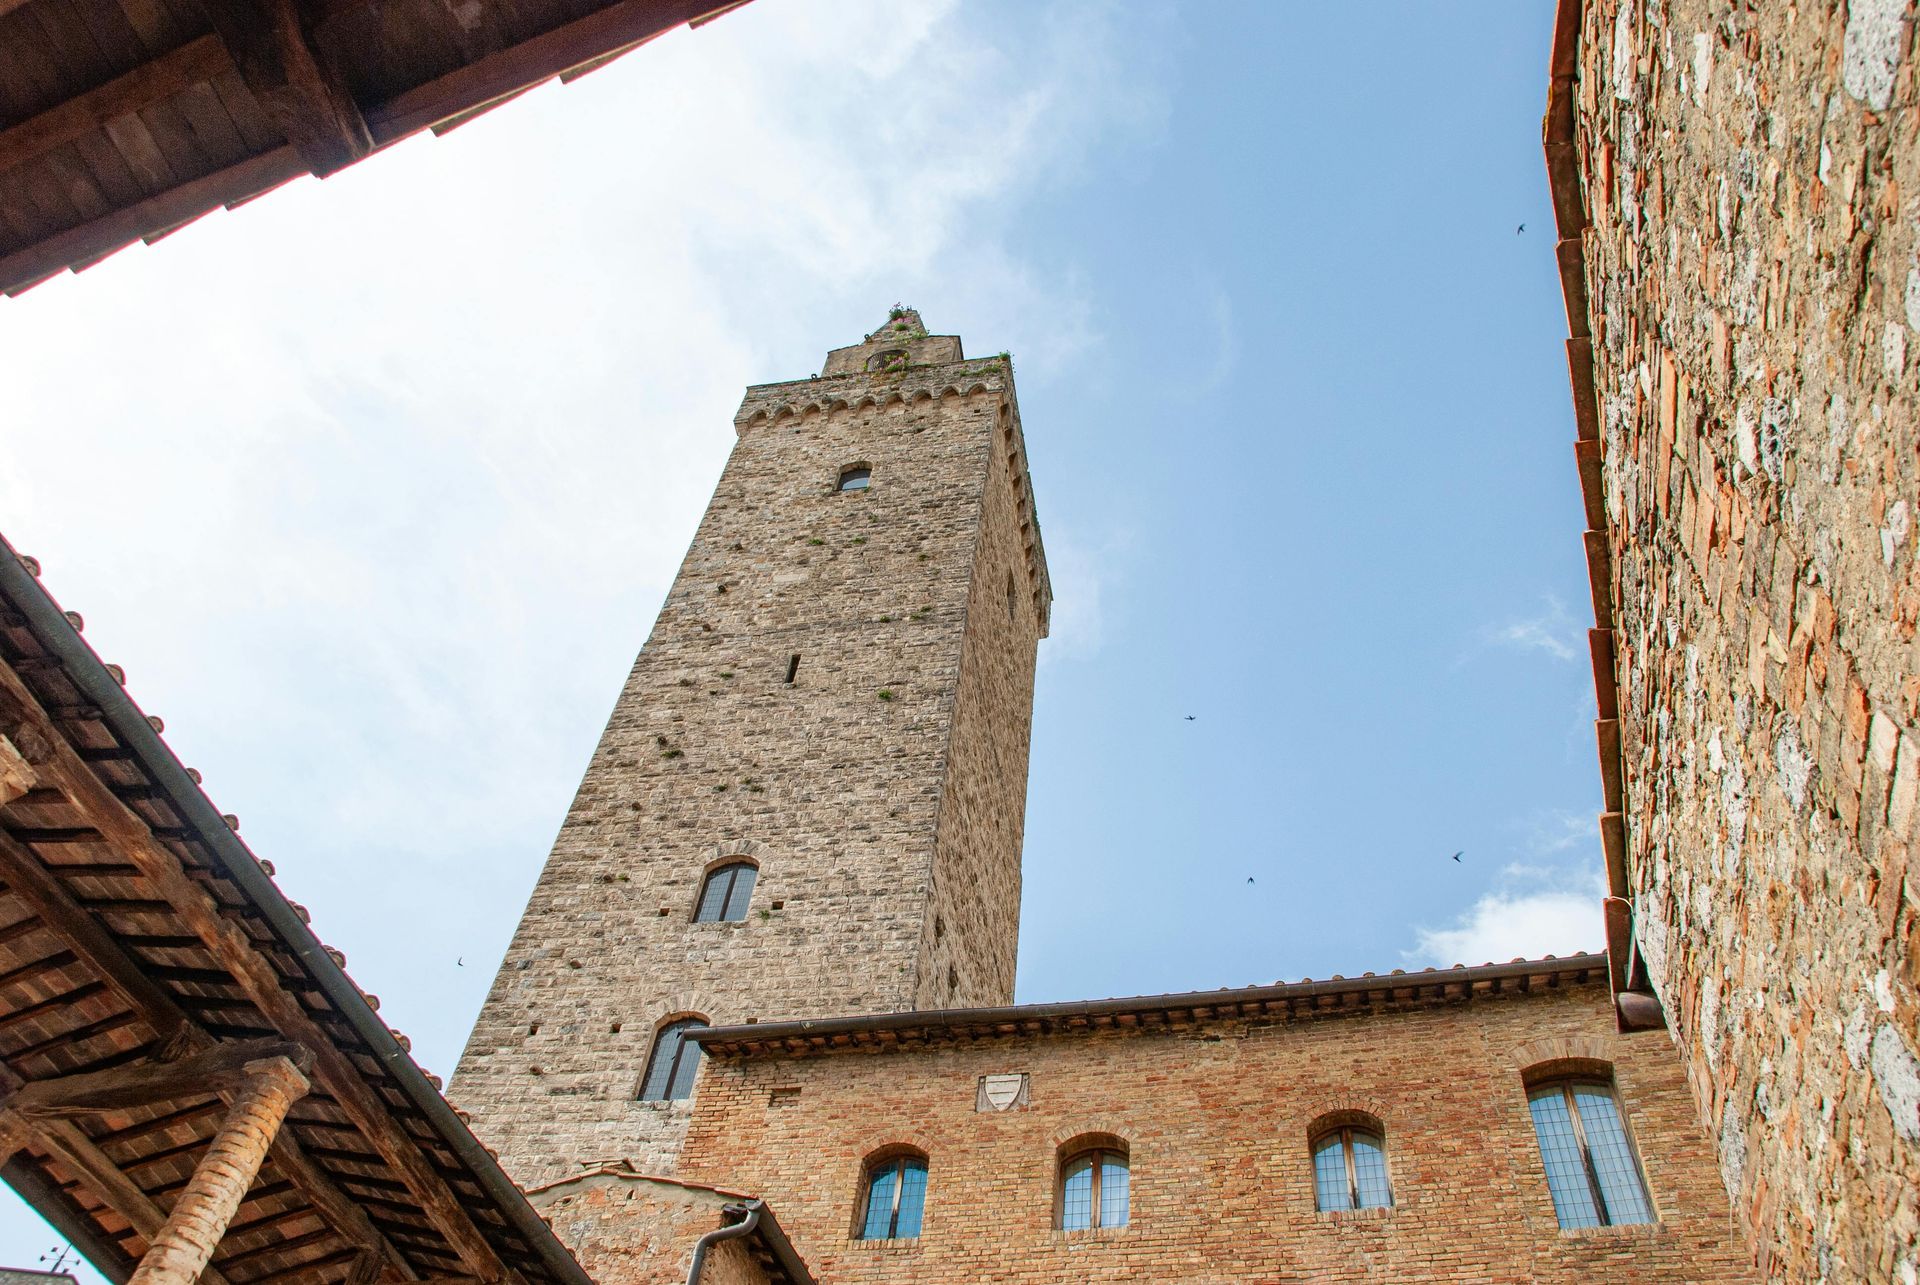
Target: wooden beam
x,y
613,29
303,96
16,774
50,902
90,241
216,1070
77,1152
153,82
334,1072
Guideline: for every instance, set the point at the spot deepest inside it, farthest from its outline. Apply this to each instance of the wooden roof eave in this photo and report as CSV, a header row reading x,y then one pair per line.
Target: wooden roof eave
x,y
20,591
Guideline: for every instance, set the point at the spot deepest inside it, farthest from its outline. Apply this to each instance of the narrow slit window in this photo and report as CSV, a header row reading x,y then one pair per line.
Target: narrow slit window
x,y
1592,1174
1013,600
793,668
672,1064
724,896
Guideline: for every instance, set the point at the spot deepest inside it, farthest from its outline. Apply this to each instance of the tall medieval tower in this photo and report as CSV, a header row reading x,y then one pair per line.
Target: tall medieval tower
x,y
810,797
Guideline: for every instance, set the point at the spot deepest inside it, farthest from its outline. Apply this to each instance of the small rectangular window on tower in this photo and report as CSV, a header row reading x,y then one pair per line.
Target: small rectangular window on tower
x,y
793,667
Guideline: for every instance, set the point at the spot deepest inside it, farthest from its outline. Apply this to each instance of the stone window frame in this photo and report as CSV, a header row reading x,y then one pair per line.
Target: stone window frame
x,y
653,1048
1569,1067
877,1159
1096,1143
847,470
726,861
1347,1122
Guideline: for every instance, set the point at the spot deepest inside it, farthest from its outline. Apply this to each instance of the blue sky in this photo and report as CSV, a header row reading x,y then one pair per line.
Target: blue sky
x,y
387,475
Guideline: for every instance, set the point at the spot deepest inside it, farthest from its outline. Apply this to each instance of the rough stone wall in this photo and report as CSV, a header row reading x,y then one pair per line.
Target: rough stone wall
x,y
834,784
628,1230
1216,1119
1752,289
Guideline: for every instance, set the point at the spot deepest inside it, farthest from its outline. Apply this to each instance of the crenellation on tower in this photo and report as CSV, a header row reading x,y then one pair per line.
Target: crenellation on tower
x,y
838,692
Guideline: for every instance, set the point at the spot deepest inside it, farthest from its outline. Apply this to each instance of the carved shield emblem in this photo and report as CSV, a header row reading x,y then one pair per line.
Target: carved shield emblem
x,y
1002,1092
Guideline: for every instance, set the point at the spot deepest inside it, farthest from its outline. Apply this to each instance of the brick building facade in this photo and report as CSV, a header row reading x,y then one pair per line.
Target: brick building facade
x,y
1734,186
835,707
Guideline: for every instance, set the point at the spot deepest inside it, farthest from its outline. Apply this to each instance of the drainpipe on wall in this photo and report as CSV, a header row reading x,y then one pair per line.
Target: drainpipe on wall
x,y
733,1231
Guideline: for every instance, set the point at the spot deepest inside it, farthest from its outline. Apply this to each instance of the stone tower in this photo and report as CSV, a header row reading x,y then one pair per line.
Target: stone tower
x,y
838,693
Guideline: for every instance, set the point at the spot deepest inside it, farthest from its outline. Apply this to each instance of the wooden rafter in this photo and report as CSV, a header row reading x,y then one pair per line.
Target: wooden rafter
x,y
29,881
302,94
144,86
215,1070
334,1073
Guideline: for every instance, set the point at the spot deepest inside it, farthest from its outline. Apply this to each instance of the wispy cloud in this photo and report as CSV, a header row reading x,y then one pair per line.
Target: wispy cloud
x,y
1551,630
1530,913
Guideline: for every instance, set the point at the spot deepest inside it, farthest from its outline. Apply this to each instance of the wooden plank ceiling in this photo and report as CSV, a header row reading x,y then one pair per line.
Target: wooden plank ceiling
x,y
145,955
123,120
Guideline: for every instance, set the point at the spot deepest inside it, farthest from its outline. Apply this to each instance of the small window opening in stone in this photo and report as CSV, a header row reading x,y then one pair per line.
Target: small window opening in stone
x,y
887,360
533,1029
953,978
1013,600
793,667
724,897
939,928
674,1062
857,478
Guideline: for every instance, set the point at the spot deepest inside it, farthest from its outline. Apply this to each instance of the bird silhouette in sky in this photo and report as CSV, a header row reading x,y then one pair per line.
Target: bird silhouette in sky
x,y
1522,228
460,962
1189,718
1456,856
1249,878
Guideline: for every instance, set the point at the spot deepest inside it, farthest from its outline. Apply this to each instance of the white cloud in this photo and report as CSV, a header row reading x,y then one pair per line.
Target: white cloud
x,y
1551,630
375,484
1532,913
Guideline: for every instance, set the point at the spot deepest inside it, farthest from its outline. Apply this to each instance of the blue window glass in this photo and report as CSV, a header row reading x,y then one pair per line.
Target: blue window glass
x,y
1591,1172
896,1199
1094,1191
1350,1170
672,1064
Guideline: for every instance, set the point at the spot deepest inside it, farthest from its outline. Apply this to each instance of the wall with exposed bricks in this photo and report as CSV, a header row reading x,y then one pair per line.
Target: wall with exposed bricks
x,y
1736,186
1216,1115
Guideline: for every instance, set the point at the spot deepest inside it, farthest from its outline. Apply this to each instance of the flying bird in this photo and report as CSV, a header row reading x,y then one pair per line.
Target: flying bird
x,y
1522,228
460,962
1249,878
1456,856
1189,718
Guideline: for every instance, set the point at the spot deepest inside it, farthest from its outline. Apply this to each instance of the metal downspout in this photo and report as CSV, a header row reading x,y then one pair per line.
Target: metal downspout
x,y
733,1231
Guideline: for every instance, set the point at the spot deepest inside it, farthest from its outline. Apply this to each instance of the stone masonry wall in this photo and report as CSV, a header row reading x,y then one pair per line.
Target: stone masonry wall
x,y
628,1230
1215,1116
1752,282
907,716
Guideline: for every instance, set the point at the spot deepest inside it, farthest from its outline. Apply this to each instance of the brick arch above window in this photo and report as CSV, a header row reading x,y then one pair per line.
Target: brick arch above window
x,y
1529,1058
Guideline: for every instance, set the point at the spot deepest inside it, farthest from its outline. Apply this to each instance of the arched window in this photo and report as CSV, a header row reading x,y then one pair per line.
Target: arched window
x,y
890,359
673,1063
896,1196
1591,1170
1350,1164
856,478
1094,1186
724,896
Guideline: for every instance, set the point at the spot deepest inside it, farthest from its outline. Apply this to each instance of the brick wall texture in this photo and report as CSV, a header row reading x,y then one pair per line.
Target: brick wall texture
x,y
881,792
1216,1117
1752,273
